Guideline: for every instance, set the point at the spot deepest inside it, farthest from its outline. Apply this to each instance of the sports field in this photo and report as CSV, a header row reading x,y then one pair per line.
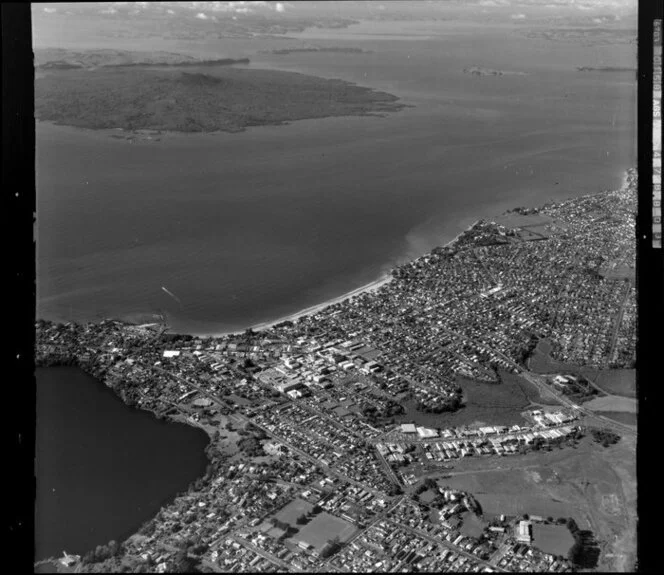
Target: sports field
x,y
324,528
553,539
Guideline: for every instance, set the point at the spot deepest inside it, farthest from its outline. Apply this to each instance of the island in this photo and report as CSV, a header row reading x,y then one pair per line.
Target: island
x,y
186,95
479,71
422,425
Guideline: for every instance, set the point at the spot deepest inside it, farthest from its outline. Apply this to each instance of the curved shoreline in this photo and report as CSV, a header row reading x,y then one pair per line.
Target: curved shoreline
x,y
372,286
75,363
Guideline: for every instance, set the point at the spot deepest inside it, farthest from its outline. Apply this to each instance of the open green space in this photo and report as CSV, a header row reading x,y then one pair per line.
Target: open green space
x,y
612,403
621,417
618,381
472,525
594,485
620,272
483,404
542,362
290,512
324,528
518,491
553,539
613,381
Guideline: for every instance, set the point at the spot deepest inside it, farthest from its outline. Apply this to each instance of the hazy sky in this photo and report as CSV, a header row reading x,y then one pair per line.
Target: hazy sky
x,y
61,24
210,10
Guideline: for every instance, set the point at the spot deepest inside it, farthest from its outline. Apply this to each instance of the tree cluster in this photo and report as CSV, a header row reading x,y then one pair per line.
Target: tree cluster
x,y
604,436
584,554
103,553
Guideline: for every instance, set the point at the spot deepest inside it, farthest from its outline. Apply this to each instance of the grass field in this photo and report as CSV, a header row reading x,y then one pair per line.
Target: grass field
x,y
612,404
613,381
472,525
515,493
293,510
621,417
553,539
594,485
322,529
485,403
618,381
620,272
542,362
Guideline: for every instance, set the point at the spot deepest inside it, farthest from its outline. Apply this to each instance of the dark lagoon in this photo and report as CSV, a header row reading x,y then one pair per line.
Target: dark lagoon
x,y
249,227
102,468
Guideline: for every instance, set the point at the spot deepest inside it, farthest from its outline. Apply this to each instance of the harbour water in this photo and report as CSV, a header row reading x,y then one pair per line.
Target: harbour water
x,y
245,228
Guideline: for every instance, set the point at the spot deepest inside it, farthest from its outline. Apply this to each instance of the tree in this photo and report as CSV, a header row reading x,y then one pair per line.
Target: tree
x,y
430,483
331,548
302,519
182,563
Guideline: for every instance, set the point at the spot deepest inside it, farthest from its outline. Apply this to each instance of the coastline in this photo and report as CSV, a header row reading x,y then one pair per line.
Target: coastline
x,y
372,286
179,418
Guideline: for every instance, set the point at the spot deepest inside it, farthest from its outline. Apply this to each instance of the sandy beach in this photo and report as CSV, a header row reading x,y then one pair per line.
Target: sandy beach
x,y
369,287
372,286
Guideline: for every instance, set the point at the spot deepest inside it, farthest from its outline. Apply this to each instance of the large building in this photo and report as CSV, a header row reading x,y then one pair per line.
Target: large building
x,y
523,532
